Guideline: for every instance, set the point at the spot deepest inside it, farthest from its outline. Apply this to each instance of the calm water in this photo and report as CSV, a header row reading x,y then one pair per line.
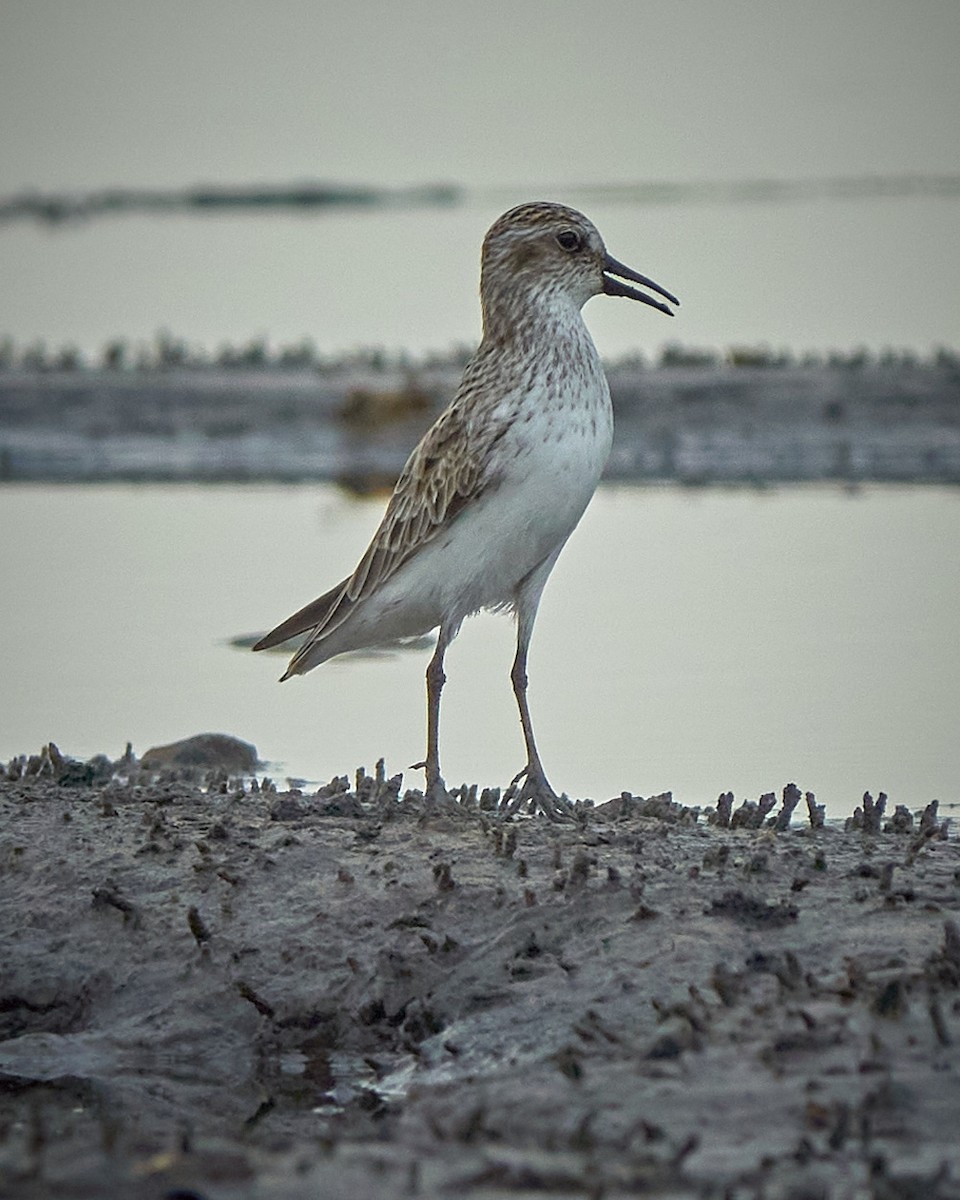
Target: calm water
x,y
816,273
697,641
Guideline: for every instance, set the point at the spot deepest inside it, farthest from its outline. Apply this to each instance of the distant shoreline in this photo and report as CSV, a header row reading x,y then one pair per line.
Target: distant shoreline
x,y
61,207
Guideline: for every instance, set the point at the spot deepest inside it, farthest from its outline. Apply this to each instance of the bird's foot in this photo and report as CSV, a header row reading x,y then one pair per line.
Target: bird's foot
x,y
435,792
538,792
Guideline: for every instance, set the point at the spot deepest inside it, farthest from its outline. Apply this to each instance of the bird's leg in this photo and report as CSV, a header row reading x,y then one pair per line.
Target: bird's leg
x,y
436,788
533,771
535,784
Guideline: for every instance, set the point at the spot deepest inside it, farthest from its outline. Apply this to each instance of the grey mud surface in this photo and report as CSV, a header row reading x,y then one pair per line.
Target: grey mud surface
x,y
221,992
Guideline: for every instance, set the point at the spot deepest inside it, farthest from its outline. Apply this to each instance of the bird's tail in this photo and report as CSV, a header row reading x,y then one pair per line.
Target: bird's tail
x,y
317,617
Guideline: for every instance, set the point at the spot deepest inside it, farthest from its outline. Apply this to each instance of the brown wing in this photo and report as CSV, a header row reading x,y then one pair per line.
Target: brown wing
x,y
310,615
448,468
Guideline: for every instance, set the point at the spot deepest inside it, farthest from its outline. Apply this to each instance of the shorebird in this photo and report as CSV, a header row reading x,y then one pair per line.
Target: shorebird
x,y
490,495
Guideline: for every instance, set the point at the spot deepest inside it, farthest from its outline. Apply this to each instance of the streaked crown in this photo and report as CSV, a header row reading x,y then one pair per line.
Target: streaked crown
x,y
544,261
541,248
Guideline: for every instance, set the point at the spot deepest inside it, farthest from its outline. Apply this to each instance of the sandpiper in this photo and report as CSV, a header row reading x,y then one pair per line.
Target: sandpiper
x,y
488,498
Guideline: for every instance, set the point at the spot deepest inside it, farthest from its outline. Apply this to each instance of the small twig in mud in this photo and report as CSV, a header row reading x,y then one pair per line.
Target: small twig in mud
x,y
752,813
644,913
750,910
930,828
197,925
944,966
507,841
580,868
867,819
255,1118
724,809
928,819
815,812
109,896
444,880
246,992
727,984
936,1017
951,942
791,798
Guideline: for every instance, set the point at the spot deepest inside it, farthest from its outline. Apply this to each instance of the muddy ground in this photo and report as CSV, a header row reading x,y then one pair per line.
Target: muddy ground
x,y
212,989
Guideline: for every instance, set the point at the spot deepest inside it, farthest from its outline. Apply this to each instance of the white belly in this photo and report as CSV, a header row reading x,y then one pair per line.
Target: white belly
x,y
513,528
548,470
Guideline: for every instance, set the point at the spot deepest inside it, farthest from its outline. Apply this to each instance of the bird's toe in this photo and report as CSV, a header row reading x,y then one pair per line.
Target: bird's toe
x,y
537,794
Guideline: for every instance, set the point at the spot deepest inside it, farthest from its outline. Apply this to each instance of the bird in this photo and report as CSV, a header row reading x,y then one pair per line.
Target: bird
x,y
490,495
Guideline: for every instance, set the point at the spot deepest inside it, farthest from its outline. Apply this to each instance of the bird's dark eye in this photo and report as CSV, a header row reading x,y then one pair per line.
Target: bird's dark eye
x,y
569,239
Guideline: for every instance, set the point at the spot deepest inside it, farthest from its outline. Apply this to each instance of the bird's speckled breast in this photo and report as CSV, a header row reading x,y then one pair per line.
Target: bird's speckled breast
x,y
548,463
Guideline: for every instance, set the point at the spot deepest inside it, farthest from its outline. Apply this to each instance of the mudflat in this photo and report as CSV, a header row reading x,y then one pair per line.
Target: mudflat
x,y
213,989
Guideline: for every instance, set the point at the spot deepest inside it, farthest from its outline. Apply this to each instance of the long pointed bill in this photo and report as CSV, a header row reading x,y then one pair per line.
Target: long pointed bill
x,y
614,287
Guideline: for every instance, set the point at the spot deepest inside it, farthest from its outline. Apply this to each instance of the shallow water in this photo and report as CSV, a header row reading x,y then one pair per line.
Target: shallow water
x,y
810,274
697,641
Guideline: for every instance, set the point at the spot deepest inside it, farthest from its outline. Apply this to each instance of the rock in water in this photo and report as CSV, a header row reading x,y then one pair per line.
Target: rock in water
x,y
208,750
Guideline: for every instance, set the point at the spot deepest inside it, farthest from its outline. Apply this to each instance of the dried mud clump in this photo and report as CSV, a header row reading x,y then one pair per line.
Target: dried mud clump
x,y
755,814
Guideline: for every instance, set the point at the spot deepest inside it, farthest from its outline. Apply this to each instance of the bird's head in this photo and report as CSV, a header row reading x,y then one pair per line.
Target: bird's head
x,y
543,249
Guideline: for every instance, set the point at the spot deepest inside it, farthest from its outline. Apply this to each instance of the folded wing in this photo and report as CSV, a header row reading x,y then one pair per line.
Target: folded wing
x,y
445,471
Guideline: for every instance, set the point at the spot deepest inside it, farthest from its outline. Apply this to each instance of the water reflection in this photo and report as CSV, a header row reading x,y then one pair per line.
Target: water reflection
x,y
697,641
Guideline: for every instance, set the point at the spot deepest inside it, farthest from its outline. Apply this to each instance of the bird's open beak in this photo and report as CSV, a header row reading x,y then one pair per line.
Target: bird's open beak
x,y
614,287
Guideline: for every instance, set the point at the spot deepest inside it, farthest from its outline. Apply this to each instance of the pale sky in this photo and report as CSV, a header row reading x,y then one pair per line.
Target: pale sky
x,y
100,92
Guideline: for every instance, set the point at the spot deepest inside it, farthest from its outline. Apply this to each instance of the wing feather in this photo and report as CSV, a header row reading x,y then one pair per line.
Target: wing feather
x,y
446,470
449,468
312,614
